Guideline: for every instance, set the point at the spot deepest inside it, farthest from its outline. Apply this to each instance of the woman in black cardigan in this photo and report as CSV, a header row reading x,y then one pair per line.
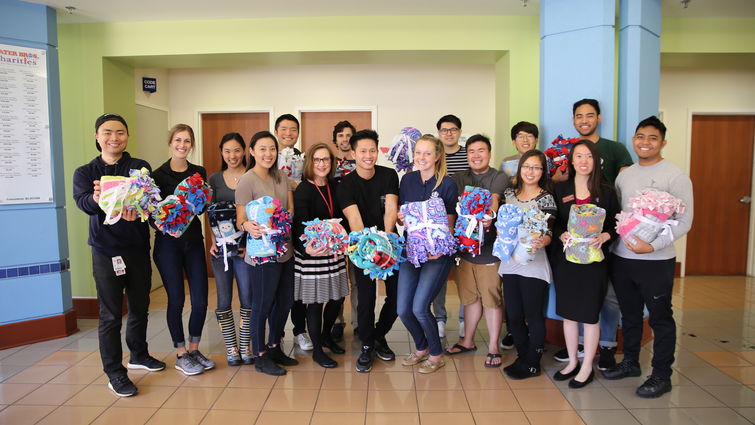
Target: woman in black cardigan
x,y
319,276
580,288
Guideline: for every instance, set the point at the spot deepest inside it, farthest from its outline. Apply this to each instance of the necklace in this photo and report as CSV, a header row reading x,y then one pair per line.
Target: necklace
x,y
329,200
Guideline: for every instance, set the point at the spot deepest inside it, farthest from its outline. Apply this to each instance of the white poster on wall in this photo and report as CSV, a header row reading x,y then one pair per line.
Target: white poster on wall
x,y
25,172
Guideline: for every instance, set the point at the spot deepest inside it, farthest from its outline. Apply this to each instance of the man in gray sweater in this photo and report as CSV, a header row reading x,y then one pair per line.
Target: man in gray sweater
x,y
643,273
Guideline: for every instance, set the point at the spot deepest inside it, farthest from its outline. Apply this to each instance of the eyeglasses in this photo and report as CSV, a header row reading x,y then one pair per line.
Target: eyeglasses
x,y
448,130
525,136
321,160
528,168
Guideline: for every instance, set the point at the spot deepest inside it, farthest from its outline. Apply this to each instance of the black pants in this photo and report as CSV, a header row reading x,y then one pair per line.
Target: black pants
x,y
299,317
646,282
137,283
525,301
321,324
369,331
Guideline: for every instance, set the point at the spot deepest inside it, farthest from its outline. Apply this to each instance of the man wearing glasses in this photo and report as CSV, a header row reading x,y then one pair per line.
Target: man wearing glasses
x,y
524,137
449,131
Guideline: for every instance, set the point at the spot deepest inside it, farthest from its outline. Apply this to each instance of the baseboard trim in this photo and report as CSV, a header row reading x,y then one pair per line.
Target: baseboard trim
x,y
89,308
37,330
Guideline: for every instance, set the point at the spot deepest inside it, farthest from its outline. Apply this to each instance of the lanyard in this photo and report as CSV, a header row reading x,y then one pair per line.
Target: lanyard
x,y
328,201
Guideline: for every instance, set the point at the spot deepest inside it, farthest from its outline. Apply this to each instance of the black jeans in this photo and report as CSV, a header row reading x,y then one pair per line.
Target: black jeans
x,y
137,283
272,297
369,331
525,301
173,257
646,282
299,317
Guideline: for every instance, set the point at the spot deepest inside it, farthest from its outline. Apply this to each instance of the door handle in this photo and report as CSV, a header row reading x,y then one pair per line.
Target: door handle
x,y
745,200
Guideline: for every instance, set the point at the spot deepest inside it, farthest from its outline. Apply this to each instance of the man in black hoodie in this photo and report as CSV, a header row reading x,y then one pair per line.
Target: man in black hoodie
x,y
120,257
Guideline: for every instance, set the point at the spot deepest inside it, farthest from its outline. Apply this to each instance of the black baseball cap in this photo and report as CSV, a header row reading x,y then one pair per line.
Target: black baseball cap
x,y
102,119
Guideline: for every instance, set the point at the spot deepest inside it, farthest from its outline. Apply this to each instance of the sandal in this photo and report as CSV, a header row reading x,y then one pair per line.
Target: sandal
x,y
490,358
461,348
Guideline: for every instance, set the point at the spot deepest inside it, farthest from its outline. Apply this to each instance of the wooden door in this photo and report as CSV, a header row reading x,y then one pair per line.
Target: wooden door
x,y
721,173
214,127
317,127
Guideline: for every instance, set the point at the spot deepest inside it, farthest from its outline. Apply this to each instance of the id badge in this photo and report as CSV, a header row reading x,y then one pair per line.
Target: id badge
x,y
119,267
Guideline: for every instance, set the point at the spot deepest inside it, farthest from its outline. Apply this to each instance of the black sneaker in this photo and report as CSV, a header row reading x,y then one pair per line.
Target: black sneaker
x,y
337,332
148,363
122,386
365,360
623,369
276,354
264,364
384,351
507,343
607,360
654,387
563,354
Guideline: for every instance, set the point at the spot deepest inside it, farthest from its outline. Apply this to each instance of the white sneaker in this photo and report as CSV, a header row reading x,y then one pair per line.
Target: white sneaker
x,y
303,341
461,329
442,329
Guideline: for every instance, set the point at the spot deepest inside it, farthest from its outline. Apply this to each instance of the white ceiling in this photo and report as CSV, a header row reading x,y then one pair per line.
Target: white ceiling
x,y
172,10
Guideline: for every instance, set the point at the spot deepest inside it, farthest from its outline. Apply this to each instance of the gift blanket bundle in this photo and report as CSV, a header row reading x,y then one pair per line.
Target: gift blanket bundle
x,y
651,214
377,253
291,163
276,229
222,216
427,232
402,149
507,225
175,212
473,207
138,191
557,155
534,226
328,233
585,223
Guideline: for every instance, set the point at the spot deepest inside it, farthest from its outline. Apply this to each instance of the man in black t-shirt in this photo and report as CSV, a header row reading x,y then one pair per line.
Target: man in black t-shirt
x,y
369,197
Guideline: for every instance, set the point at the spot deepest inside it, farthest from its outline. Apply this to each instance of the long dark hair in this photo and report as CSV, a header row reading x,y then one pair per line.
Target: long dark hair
x,y
228,137
595,180
252,143
544,182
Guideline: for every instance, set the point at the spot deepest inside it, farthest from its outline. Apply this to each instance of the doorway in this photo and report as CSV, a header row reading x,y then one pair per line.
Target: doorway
x,y
721,173
317,126
214,127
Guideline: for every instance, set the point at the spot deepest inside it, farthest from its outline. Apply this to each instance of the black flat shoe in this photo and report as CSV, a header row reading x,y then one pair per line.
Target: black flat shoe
x,y
325,361
558,376
332,346
579,384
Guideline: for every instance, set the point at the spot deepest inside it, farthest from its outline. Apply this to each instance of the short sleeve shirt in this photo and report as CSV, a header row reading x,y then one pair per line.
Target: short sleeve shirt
x,y
252,187
413,189
368,195
457,161
494,181
613,157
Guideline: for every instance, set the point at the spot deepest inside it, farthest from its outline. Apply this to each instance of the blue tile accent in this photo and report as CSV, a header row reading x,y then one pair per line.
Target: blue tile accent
x,y
3,274
44,268
23,271
54,267
34,270
13,272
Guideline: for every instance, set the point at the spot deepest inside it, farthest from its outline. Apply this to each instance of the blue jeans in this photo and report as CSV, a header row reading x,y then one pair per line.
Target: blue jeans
x,y
173,257
272,297
224,282
417,288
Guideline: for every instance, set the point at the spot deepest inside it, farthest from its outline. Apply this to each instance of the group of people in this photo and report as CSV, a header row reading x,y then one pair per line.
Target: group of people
x,y
346,183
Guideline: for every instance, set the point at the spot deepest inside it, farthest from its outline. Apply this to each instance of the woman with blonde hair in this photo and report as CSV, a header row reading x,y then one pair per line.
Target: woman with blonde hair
x,y
175,256
418,286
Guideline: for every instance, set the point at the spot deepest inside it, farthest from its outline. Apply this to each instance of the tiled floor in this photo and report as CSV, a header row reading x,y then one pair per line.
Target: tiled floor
x,y
61,382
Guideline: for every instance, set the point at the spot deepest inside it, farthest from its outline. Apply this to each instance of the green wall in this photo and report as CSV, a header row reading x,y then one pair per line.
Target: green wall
x,y
97,61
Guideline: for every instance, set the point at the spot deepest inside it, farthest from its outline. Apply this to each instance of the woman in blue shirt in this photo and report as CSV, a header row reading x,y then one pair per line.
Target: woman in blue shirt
x,y
418,286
